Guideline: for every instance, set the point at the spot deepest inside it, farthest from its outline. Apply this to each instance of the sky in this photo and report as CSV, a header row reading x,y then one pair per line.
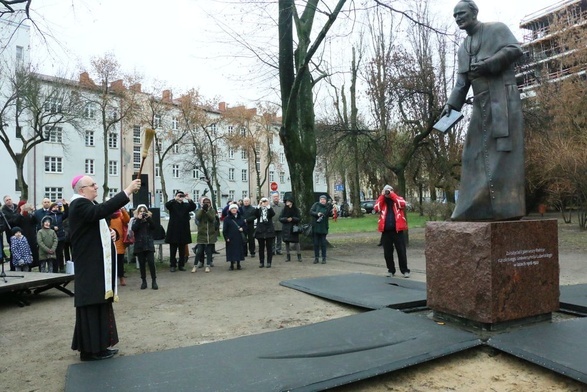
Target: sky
x,y
179,43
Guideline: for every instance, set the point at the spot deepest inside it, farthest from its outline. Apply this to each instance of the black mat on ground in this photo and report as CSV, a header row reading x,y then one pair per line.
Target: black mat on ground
x,y
363,290
574,298
560,346
308,358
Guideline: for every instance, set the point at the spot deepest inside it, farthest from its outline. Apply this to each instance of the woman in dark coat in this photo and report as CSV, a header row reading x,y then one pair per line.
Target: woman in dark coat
x,y
265,232
143,228
28,223
290,216
320,212
233,229
178,231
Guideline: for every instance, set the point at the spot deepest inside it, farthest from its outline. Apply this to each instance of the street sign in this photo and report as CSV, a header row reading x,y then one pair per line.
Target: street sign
x,y
339,187
273,186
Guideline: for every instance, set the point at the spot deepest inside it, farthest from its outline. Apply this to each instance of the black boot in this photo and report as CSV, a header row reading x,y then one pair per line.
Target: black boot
x,y
231,266
287,257
268,265
315,260
154,284
238,265
144,284
299,257
261,264
324,260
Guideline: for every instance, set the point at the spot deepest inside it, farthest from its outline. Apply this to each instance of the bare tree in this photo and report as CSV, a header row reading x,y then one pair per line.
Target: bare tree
x,y
112,99
36,107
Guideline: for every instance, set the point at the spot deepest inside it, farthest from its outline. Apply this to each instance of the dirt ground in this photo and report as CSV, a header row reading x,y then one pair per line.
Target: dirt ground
x,y
191,309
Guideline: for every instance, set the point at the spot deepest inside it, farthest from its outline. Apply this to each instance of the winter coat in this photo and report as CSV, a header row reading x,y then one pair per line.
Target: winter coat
x,y
28,225
248,213
264,227
178,230
39,215
207,233
120,224
287,232
233,237
20,251
399,205
277,207
58,218
143,230
322,226
47,240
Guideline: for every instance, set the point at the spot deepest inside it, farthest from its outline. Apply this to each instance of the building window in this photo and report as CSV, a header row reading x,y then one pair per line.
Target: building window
x,y
196,194
258,163
271,175
157,121
175,148
245,194
231,153
89,111
175,171
213,128
53,105
113,114
20,56
282,177
113,140
112,192
136,134
54,134
53,165
136,157
113,168
231,195
231,174
90,139
243,154
244,175
230,130
53,193
157,170
174,123
158,197
243,132
89,166
281,157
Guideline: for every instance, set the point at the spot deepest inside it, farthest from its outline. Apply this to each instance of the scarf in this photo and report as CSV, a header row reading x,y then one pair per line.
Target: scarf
x,y
106,239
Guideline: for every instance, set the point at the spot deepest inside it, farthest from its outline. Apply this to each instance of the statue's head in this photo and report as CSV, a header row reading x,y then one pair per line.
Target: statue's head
x,y
465,14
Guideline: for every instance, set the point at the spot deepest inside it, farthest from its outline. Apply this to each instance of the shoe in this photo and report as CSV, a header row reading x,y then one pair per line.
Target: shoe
x,y
324,260
268,265
261,265
231,268
238,266
172,269
287,258
300,258
406,274
181,268
200,265
154,285
114,351
207,269
194,269
315,260
390,274
144,284
216,252
106,354
122,281
252,254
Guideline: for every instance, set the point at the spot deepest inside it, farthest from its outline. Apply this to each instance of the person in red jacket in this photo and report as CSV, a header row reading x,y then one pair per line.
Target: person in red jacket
x,y
392,224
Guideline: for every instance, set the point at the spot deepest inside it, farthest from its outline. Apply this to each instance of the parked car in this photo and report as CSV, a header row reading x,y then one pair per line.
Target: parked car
x,y
367,206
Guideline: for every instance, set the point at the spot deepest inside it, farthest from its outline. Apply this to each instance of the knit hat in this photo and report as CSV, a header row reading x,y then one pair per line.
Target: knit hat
x,y
48,217
387,188
142,206
323,197
204,198
288,198
233,207
16,229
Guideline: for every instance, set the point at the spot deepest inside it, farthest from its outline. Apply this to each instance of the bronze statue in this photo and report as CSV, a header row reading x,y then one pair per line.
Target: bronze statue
x,y
492,173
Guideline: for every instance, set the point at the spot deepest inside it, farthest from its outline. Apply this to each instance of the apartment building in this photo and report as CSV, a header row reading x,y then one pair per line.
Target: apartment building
x,y
544,51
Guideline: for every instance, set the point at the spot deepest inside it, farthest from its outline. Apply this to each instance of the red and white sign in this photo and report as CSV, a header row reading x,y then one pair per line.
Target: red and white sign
x,y
273,186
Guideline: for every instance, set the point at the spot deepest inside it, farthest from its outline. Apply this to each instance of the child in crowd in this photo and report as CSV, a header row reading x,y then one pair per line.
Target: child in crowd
x,y
22,257
47,240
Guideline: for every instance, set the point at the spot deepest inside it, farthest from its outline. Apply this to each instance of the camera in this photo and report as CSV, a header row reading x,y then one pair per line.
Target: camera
x,y
387,192
320,218
205,206
144,215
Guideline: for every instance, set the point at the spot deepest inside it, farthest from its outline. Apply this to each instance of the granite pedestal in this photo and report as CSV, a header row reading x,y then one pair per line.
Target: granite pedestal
x,y
492,272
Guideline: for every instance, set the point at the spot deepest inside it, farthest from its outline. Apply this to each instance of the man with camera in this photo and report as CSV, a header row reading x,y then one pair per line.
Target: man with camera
x,y
207,234
392,224
178,231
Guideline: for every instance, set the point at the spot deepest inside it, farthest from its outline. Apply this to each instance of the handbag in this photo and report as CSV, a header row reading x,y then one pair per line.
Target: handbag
x,y
307,229
128,236
296,229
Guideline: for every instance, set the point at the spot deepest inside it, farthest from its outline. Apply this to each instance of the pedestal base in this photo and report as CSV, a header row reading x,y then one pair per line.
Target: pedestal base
x,y
492,272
